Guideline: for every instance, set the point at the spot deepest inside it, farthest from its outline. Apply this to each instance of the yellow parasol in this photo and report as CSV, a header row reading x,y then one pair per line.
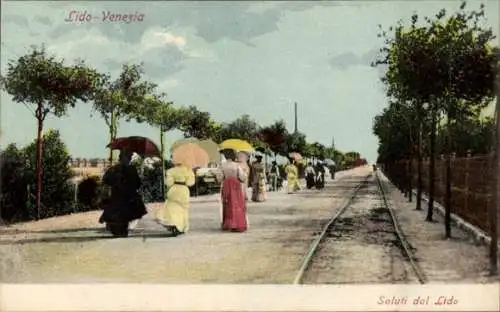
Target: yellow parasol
x,y
237,145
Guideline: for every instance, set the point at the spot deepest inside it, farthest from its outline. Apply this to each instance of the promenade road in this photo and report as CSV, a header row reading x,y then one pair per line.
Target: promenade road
x,y
74,248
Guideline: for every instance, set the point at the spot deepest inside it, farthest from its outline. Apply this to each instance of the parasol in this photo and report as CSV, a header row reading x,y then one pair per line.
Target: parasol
x,y
329,162
237,145
295,155
178,143
137,144
211,148
208,145
190,155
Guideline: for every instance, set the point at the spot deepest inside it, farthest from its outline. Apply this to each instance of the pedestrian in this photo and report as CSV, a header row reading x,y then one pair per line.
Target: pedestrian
x,y
174,215
320,175
234,214
259,182
310,175
243,162
332,171
274,175
125,204
292,174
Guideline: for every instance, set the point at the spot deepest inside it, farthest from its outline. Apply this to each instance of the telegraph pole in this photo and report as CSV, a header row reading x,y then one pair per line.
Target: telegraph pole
x,y
493,213
296,123
333,147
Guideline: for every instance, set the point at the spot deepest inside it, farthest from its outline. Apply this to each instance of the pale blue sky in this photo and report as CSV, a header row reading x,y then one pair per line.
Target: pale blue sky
x,y
227,58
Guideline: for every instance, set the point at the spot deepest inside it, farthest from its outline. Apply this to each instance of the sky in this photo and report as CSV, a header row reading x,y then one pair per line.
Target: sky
x,y
227,58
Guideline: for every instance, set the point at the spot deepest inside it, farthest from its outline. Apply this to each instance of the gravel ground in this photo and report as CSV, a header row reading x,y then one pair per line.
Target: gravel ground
x,y
455,260
74,249
361,246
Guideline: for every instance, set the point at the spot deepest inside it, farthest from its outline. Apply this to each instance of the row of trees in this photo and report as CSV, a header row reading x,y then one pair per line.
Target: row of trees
x,y
439,76
46,86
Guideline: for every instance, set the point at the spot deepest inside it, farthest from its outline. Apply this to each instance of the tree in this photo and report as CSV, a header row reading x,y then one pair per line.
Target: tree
x,y
295,142
195,123
244,128
57,195
274,136
122,97
47,86
455,53
157,112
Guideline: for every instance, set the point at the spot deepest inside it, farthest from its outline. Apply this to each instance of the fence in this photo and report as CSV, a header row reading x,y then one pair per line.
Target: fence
x,y
472,184
89,162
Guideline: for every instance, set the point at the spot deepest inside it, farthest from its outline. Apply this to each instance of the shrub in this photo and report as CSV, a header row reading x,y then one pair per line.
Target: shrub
x,y
13,192
152,184
90,194
57,193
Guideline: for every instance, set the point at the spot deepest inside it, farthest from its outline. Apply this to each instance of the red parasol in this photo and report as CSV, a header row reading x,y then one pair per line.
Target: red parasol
x,y
137,144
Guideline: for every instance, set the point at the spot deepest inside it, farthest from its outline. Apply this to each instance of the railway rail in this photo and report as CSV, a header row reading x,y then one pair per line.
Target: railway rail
x,y
329,247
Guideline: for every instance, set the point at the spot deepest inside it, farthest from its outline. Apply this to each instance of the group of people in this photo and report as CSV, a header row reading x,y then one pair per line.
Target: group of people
x,y
125,203
315,175
236,174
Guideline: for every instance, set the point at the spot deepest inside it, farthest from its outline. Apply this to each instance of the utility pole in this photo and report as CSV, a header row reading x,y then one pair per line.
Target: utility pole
x,y
333,147
493,213
296,126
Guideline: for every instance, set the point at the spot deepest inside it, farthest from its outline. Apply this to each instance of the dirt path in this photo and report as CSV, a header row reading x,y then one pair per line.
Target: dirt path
x,y
455,260
73,249
362,246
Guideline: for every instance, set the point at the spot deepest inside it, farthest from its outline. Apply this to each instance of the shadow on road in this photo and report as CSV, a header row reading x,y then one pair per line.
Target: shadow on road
x,y
80,239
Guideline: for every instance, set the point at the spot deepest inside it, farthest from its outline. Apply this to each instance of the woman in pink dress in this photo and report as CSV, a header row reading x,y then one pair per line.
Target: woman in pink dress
x,y
234,214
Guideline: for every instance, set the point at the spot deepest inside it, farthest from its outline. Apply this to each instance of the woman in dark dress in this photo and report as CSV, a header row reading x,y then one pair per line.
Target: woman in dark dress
x,y
320,176
125,203
310,175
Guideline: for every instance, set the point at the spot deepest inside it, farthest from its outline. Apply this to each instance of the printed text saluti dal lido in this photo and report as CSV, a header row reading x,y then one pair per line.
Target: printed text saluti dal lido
x,y
106,16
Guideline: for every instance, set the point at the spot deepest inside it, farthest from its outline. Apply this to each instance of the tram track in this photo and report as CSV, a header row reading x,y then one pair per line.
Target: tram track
x,y
361,243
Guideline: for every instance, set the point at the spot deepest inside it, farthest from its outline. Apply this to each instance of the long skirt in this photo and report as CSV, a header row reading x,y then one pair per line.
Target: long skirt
x,y
293,184
234,216
320,181
244,187
259,193
175,212
310,180
119,211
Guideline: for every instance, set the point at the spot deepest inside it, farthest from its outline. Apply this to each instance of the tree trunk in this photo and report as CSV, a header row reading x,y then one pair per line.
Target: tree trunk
x,y
39,153
419,163
432,163
162,153
410,178
112,134
447,218
410,169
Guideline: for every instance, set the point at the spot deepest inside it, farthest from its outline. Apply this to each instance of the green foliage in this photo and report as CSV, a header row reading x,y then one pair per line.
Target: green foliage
x,y
57,194
90,194
275,136
295,142
195,123
18,171
123,97
13,192
48,85
455,52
